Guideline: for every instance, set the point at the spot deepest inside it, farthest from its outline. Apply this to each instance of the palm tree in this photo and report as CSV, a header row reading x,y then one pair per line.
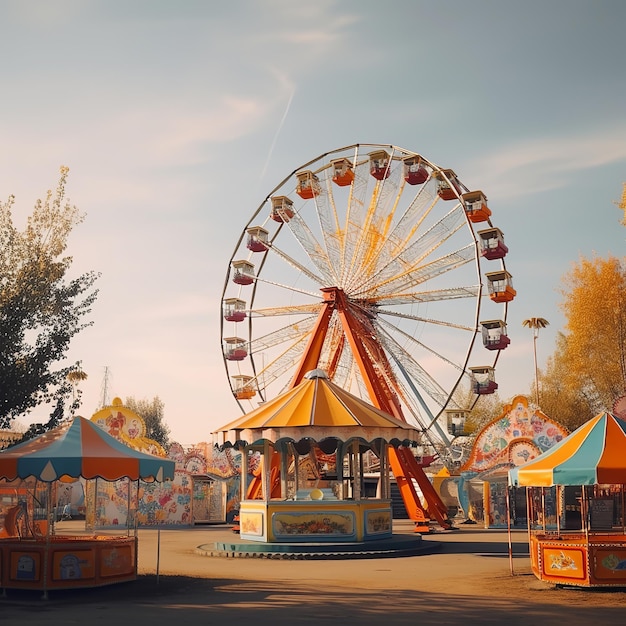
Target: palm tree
x,y
536,323
75,377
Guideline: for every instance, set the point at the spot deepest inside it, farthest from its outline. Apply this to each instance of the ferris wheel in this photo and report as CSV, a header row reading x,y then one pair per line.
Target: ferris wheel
x,y
366,262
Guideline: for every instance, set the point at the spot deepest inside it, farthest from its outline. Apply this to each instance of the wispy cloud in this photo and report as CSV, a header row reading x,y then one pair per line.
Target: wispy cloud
x,y
544,163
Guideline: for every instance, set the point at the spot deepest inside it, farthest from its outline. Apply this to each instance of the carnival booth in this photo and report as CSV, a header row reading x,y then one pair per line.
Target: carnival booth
x,y
31,555
576,504
316,443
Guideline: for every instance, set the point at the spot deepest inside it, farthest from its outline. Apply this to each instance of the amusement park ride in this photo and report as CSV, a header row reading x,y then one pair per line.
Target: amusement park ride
x,y
367,263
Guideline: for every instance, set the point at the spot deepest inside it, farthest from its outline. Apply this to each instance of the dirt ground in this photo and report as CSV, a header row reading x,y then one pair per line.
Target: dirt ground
x,y
469,579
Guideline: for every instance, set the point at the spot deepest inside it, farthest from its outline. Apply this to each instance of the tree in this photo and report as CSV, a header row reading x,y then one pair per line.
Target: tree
x,y
587,372
152,412
41,309
595,306
561,399
56,417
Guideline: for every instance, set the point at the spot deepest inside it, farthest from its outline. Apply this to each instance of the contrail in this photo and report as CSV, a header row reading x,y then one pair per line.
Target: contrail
x,y
280,126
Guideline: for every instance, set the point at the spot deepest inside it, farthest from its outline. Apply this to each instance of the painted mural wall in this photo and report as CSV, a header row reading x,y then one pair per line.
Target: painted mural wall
x,y
205,484
521,433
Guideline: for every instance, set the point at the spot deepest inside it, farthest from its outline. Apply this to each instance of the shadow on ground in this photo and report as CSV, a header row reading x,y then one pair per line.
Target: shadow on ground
x,y
182,600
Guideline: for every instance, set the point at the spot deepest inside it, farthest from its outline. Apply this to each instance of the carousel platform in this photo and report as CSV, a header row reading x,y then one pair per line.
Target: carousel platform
x,y
397,545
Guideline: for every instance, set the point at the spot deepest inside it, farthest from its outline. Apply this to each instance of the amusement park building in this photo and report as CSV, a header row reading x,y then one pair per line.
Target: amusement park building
x,y
521,433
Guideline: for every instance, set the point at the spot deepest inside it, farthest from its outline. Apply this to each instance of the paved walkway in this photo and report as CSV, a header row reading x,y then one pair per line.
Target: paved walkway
x,y
471,579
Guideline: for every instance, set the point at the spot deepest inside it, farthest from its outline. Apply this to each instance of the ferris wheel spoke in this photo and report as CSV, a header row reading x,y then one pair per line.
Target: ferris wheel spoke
x,y
425,381
355,215
383,248
436,295
300,309
329,226
415,214
316,278
418,274
436,235
357,382
421,421
415,411
377,220
424,423
412,254
290,332
313,249
333,348
281,364
290,288
410,339
420,318
346,371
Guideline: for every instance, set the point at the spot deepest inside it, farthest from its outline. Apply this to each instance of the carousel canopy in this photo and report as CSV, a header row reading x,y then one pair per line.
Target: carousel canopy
x,y
81,448
318,409
593,454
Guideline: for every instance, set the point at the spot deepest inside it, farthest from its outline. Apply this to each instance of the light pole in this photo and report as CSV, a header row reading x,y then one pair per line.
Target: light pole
x,y
536,323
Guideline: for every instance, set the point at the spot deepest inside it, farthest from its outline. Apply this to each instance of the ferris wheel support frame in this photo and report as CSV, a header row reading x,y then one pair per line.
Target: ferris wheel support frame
x,y
356,332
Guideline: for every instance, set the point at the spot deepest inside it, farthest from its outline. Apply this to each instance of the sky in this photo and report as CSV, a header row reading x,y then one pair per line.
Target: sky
x,y
177,119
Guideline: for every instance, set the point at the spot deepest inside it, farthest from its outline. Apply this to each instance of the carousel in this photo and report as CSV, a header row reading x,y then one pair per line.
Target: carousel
x,y
577,508
324,470
32,556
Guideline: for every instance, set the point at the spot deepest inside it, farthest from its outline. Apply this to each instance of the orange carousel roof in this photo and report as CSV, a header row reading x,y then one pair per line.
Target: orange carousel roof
x,y
316,408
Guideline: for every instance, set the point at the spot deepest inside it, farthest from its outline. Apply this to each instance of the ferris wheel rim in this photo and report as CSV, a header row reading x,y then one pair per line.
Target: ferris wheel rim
x,y
281,226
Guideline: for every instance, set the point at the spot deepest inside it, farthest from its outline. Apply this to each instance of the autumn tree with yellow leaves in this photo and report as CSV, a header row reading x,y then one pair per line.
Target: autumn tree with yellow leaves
x,y
41,308
587,371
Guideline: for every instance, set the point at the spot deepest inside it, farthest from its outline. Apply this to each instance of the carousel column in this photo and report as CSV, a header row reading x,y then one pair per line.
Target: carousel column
x,y
267,467
339,454
383,481
296,469
361,474
357,470
349,481
623,509
284,468
243,487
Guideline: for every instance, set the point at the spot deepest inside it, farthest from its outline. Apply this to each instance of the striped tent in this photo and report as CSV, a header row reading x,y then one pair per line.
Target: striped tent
x,y
594,454
80,448
316,408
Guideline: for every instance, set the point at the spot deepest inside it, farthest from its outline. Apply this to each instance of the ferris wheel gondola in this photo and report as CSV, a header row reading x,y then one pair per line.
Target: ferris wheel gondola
x,y
366,262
